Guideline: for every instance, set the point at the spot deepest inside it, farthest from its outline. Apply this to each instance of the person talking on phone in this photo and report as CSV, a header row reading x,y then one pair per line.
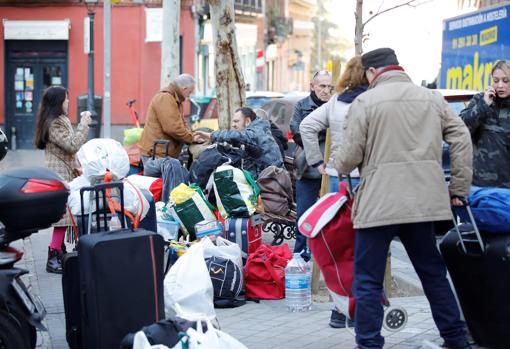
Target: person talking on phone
x,y
488,119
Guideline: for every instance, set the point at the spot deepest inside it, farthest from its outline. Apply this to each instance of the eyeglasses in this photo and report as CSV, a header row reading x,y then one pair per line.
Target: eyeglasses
x,y
321,73
322,87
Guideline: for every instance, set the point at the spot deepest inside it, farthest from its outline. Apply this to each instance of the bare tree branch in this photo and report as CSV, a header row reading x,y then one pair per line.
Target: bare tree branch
x,y
380,6
407,3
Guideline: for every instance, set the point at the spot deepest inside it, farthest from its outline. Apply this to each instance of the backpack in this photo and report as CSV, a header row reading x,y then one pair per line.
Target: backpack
x,y
491,209
205,164
276,190
227,280
328,226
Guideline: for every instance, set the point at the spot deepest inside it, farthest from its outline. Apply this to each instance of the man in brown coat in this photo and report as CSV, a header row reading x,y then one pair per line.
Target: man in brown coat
x,y
394,135
165,119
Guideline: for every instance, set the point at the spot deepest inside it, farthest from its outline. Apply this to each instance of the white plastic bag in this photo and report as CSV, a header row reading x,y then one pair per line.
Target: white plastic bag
x,y
188,287
212,339
223,248
133,198
140,342
73,201
101,154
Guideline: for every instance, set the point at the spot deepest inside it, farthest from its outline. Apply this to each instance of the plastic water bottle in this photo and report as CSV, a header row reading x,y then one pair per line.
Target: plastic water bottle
x,y
298,288
115,223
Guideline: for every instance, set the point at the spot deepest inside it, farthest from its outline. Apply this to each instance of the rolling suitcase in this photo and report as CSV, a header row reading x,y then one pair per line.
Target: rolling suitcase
x,y
121,278
246,232
479,266
71,295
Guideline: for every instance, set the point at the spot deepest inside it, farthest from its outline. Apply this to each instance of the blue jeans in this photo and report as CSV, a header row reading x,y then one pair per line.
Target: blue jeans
x,y
307,192
334,184
371,249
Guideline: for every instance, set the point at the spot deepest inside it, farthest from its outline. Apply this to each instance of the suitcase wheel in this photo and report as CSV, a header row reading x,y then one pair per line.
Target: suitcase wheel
x,y
395,318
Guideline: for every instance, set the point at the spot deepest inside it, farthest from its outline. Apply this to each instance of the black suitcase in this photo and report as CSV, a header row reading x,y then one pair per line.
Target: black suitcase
x,y
479,265
71,294
121,274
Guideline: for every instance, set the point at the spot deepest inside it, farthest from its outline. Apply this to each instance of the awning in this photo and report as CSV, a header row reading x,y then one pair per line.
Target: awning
x,y
36,30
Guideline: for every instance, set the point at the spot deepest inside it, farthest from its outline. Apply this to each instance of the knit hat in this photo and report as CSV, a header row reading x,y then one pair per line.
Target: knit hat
x,y
378,58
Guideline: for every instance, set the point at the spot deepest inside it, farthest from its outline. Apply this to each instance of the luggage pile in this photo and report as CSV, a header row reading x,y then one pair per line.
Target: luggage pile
x,y
476,253
163,261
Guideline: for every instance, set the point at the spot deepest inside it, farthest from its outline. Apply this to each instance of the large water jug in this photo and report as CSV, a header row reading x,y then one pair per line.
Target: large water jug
x,y
298,290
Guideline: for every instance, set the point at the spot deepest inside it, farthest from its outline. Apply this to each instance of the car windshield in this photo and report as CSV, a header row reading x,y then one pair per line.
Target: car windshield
x,y
458,106
257,102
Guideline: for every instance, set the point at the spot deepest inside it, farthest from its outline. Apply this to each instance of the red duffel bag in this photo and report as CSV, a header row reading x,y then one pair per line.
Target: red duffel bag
x,y
265,272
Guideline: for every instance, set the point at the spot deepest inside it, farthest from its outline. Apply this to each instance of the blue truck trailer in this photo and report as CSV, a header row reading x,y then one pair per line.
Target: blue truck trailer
x,y
472,43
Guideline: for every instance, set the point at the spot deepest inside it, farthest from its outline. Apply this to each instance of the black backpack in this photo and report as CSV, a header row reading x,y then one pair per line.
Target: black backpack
x,y
210,159
227,280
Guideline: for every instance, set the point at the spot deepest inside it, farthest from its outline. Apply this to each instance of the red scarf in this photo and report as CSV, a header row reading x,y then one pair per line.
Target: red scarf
x,y
387,69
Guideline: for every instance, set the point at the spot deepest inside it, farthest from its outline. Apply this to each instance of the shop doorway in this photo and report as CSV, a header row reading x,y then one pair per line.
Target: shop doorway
x,y
31,67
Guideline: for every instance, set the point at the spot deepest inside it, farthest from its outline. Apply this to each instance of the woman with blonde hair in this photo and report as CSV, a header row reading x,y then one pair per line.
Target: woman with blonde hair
x,y
331,115
488,118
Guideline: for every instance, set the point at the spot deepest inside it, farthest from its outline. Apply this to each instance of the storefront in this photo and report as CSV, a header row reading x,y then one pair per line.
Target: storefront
x,y
35,58
44,45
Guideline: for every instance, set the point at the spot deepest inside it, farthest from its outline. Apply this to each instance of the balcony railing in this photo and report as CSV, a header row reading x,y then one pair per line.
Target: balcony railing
x,y
253,6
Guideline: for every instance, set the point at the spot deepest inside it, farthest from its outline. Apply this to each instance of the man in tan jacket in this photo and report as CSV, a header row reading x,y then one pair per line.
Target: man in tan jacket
x,y
165,119
394,135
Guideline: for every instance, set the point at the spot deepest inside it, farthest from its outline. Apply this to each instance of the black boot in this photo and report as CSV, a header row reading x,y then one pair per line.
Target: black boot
x,y
54,263
63,250
339,320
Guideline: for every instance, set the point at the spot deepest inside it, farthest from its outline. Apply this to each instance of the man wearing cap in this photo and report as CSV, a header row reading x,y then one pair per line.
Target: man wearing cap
x,y
393,134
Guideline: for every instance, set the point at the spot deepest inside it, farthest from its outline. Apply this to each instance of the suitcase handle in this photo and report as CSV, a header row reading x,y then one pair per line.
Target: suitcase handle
x,y
158,142
101,188
463,242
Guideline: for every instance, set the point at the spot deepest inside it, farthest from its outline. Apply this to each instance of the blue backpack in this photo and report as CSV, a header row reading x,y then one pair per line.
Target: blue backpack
x,y
491,208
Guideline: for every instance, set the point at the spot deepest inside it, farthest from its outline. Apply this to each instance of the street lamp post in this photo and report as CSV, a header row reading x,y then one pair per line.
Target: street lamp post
x,y
90,88
90,75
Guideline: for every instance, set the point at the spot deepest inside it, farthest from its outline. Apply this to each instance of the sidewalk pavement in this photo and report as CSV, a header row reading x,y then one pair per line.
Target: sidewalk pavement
x,y
259,326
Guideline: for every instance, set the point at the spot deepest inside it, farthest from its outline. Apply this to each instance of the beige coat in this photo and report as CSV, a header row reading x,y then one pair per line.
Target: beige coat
x,y
394,133
62,145
165,121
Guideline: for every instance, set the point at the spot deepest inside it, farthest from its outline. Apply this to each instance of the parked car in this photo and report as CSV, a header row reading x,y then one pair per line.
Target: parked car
x,y
458,100
257,99
208,113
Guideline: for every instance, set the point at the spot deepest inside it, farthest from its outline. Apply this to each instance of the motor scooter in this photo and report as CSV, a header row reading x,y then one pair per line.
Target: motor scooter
x,y
31,199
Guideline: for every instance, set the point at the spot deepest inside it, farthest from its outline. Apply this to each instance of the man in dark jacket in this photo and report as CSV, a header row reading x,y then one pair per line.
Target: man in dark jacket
x,y
255,134
308,182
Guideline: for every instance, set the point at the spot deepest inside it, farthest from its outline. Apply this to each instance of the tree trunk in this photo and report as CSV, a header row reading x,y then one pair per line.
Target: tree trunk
x,y
230,87
170,41
358,31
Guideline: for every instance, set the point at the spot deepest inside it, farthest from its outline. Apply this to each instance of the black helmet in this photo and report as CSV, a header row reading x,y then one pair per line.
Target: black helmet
x,y
3,145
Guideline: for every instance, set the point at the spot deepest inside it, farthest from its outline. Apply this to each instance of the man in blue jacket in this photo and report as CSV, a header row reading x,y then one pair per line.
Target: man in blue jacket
x,y
261,149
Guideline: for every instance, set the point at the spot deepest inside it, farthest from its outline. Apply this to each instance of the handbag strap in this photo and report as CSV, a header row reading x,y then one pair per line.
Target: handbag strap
x,y
276,278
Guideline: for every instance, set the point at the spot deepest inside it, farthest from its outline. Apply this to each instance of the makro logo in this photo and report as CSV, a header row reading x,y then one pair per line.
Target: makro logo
x,y
488,36
474,76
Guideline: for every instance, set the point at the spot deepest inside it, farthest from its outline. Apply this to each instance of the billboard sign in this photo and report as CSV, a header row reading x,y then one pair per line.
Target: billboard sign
x,y
472,43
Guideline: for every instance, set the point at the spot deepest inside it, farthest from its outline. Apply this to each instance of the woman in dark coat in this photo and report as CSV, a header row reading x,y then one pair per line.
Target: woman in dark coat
x,y
488,118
